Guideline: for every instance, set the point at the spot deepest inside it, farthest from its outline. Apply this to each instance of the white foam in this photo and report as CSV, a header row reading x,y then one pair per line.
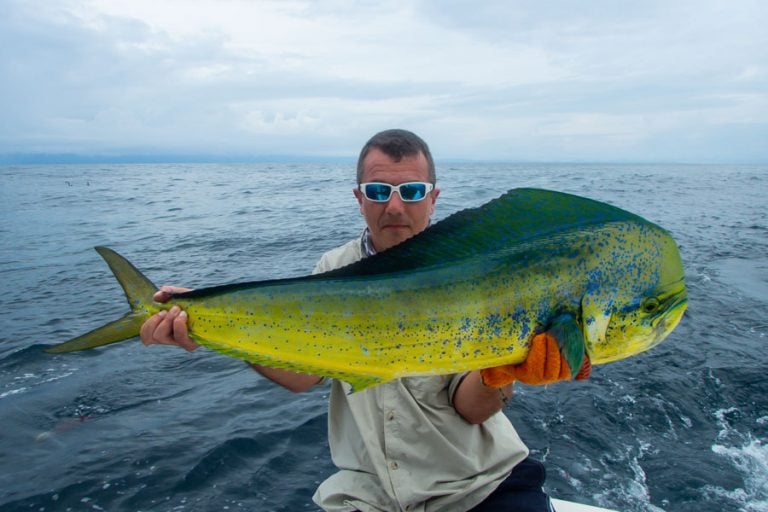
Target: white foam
x,y
30,380
12,392
616,488
749,456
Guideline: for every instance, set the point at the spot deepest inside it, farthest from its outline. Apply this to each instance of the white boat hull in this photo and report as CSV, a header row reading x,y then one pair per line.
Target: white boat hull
x,y
569,506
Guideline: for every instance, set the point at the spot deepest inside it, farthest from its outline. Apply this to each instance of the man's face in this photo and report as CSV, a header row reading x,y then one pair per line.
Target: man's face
x,y
395,221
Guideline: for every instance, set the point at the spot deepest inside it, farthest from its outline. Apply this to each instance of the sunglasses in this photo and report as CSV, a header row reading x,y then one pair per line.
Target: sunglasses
x,y
410,192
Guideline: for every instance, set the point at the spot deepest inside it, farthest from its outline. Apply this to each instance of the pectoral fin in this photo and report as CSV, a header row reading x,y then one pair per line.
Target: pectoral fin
x,y
569,337
596,317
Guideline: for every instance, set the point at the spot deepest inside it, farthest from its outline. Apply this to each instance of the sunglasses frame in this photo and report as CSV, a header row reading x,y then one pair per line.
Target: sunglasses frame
x,y
429,187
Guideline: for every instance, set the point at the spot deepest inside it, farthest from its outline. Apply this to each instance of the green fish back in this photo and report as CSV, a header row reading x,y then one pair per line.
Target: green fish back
x,y
515,217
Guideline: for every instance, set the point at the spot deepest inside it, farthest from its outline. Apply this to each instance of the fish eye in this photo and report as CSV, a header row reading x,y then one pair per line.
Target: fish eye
x,y
650,305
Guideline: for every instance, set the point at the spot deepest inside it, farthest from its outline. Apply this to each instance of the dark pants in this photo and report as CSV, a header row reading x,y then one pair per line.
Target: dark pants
x,y
520,492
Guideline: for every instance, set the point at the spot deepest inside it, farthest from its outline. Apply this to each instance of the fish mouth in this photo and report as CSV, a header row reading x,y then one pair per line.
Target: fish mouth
x,y
676,303
681,302
657,327
672,316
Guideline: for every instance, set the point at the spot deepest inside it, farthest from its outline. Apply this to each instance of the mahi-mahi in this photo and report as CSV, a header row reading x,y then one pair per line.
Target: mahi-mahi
x,y
468,293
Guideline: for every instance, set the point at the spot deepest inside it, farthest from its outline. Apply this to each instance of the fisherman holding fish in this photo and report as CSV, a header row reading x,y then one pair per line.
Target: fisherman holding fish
x,y
421,331
417,443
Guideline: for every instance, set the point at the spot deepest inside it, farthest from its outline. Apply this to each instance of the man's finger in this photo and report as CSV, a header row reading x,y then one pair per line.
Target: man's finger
x,y
147,331
161,296
163,333
165,293
181,334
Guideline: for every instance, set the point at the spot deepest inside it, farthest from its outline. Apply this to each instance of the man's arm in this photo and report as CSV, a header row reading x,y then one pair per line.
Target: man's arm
x,y
475,401
290,380
482,393
170,328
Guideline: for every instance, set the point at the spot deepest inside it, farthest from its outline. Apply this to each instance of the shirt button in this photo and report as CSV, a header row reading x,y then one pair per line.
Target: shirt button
x,y
393,465
390,415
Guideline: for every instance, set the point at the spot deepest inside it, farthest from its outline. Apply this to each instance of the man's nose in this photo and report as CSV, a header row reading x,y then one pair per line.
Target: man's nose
x,y
395,203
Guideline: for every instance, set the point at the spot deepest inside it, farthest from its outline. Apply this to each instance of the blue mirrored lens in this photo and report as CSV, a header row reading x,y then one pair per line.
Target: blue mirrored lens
x,y
413,191
378,191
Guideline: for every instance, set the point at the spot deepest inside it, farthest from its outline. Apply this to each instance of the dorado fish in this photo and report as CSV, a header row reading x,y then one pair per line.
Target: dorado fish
x,y
468,293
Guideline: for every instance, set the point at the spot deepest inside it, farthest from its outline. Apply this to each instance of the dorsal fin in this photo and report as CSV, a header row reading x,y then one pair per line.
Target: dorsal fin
x,y
518,215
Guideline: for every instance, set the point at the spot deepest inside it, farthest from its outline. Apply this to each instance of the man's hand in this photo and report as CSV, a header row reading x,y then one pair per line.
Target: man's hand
x,y
168,327
544,365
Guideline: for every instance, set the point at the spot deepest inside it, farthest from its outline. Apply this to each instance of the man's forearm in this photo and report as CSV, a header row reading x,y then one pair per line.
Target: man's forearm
x,y
293,381
476,402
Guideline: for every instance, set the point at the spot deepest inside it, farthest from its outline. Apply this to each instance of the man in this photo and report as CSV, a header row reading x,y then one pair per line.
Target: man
x,y
420,443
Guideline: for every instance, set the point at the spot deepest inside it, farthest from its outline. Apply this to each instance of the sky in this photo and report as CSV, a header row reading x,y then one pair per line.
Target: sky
x,y
552,81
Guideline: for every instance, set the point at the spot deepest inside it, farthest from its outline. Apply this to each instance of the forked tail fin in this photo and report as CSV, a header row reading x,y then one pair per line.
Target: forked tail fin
x,y
138,290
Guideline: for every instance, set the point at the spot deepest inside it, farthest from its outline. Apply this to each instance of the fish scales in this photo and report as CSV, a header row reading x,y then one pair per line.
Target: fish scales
x,y
468,293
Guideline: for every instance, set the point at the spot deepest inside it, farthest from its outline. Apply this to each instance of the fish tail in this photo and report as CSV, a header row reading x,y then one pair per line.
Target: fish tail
x,y
122,329
138,290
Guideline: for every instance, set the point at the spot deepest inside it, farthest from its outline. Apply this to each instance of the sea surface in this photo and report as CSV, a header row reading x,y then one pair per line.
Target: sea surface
x,y
683,427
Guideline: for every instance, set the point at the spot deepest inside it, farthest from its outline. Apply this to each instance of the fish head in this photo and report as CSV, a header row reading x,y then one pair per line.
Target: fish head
x,y
647,308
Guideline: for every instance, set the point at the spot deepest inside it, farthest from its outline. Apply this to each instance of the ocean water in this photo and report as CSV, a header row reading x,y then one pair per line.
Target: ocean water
x,y
683,427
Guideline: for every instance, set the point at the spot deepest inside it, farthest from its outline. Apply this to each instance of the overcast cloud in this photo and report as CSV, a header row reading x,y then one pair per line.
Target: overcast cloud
x,y
547,81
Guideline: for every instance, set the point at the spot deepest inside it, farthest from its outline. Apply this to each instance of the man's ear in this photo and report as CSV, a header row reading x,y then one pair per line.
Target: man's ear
x,y
435,193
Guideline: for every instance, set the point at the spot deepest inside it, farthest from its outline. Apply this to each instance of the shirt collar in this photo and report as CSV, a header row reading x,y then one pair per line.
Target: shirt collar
x,y
366,244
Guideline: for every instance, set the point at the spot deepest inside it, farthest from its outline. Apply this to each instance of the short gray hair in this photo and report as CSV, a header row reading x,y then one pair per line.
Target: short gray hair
x,y
397,144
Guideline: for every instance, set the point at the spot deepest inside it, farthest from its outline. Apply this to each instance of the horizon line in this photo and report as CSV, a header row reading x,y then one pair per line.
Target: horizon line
x,y
28,158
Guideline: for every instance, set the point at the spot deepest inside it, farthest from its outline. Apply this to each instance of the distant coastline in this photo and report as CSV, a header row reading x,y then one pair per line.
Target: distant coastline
x,y
169,158
203,158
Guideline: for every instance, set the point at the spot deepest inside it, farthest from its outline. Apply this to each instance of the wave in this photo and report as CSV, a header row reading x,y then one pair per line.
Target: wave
x,y
748,455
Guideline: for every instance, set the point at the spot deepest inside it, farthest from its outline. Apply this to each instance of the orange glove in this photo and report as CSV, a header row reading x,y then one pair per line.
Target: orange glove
x,y
544,365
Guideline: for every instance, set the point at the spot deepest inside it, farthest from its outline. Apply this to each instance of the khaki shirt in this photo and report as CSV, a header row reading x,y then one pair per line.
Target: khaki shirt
x,y
401,445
